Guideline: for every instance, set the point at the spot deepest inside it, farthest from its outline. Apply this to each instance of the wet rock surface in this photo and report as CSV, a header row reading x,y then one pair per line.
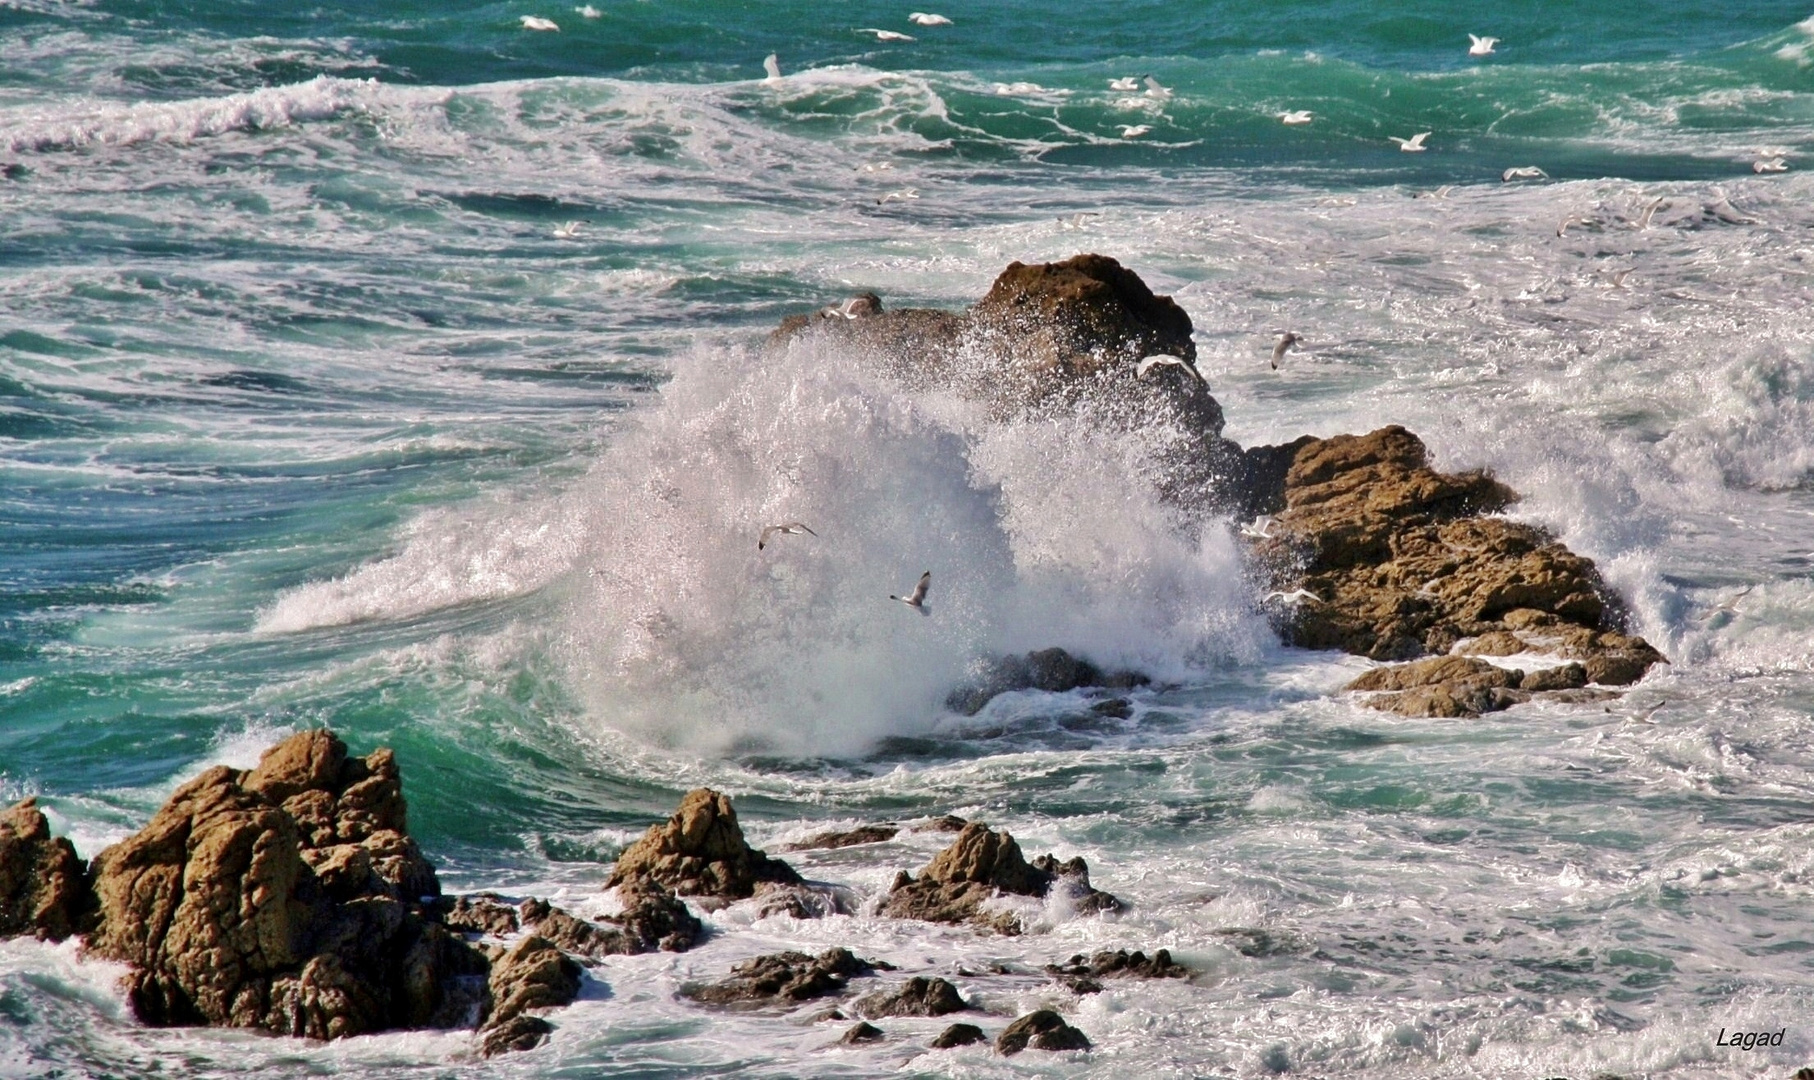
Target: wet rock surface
x,y
652,918
918,996
44,889
862,1033
1083,974
980,864
700,851
784,978
1041,1030
1463,686
958,1035
1053,670
862,834
482,913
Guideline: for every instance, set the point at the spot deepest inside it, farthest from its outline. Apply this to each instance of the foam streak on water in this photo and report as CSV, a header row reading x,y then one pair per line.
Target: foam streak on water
x,y
308,416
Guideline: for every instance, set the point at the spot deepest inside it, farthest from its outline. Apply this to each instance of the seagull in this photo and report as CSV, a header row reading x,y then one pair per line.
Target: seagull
x,y
1157,359
1075,221
1296,116
588,12
921,18
1296,596
1730,607
876,166
854,308
1126,84
772,64
1260,527
1154,89
904,193
569,231
885,35
1649,212
1412,145
1134,131
1483,46
1522,172
1723,209
791,528
1282,344
536,22
918,600
1440,193
1764,165
1562,226
1618,277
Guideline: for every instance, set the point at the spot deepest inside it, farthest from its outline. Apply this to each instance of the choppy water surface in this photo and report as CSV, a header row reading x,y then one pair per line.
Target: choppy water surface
x,y
307,416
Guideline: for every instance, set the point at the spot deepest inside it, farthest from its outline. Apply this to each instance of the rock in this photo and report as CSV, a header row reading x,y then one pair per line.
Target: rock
x,y
946,823
918,996
1403,561
1117,708
653,918
1041,1030
1053,670
1569,676
484,913
862,1033
286,898
700,852
977,866
520,1032
862,834
44,889
958,1035
779,978
533,974
1081,973
798,901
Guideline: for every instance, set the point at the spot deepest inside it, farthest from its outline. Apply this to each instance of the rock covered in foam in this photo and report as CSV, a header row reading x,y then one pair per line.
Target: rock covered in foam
x,y
44,888
980,865
918,996
700,851
652,918
1081,973
1052,670
783,978
1040,1030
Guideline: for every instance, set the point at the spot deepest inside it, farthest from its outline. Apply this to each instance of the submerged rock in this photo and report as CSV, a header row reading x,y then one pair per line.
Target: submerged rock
x,y
782,978
958,1035
979,865
862,1033
862,834
918,996
1041,1030
1082,973
700,851
1053,670
652,918
44,889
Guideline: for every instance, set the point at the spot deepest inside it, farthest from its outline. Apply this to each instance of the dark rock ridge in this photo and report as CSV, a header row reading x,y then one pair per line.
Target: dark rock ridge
x,y
918,996
1400,561
862,1033
1040,1030
288,898
958,1035
652,918
1083,974
784,978
862,834
43,884
1052,670
700,852
980,865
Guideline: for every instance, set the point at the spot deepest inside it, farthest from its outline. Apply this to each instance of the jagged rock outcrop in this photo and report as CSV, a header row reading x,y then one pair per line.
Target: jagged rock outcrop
x,y
1401,561
482,913
918,996
44,888
979,865
841,838
1084,974
1462,686
958,1035
784,978
533,974
652,918
1040,1030
1053,670
700,851
287,898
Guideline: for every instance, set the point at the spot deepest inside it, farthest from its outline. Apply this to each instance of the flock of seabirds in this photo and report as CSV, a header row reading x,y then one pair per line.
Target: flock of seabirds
x,y
1721,209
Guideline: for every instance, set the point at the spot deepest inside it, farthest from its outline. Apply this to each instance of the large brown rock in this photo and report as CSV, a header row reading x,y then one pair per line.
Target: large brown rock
x,y
1042,1029
978,866
700,851
44,888
918,996
1401,561
784,978
652,918
287,898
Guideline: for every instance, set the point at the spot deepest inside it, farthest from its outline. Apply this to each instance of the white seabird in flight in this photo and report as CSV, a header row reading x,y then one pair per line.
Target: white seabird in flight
x,y
1281,345
1157,359
917,601
1482,46
790,528
536,22
1412,145
921,18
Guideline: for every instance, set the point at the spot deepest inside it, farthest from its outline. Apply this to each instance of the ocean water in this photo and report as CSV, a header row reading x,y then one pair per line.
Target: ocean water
x,y
308,417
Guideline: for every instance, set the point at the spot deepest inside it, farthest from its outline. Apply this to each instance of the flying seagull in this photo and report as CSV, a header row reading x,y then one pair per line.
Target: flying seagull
x,y
1296,116
918,600
921,18
589,12
1156,359
1764,165
1282,344
885,35
1155,89
791,528
1126,83
1294,597
536,22
1260,528
772,64
569,231
1650,212
1134,131
1482,46
1412,145
1522,172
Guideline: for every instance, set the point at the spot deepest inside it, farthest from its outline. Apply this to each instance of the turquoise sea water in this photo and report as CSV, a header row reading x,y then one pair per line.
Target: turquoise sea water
x,y
308,416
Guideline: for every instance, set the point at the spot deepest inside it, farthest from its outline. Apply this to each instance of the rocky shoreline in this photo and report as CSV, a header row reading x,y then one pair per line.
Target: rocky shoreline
x,y
290,898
